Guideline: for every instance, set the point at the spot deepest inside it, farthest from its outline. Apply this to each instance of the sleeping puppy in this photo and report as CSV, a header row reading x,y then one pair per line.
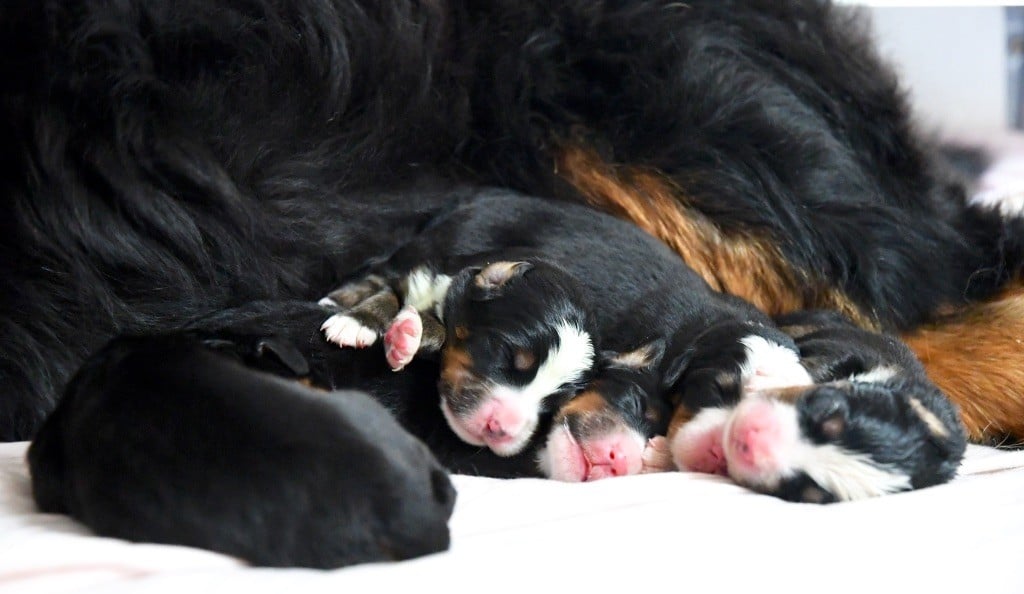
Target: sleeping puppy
x,y
165,439
871,423
612,427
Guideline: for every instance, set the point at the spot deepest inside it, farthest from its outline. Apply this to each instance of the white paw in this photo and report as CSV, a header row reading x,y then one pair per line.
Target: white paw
x,y
346,331
327,302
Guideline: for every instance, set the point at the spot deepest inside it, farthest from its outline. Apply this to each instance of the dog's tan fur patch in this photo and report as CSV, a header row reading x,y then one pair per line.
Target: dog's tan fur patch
x,y
976,357
745,265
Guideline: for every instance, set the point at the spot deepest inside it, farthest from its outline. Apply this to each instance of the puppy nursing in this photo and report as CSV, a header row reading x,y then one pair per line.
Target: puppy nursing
x,y
812,409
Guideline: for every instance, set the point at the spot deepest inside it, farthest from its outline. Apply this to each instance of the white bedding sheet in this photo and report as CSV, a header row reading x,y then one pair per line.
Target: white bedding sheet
x,y
674,532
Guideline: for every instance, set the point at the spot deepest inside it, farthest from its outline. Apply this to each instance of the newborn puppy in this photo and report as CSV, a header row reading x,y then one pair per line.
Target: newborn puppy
x,y
518,342
871,423
163,439
607,429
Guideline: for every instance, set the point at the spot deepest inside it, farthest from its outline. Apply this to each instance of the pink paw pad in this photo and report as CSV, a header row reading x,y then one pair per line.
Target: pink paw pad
x,y
656,456
402,339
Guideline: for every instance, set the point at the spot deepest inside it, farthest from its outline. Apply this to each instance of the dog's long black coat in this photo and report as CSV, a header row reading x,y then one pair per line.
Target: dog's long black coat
x,y
162,439
164,159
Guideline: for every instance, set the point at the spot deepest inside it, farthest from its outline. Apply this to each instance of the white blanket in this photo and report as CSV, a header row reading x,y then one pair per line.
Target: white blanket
x,y
674,532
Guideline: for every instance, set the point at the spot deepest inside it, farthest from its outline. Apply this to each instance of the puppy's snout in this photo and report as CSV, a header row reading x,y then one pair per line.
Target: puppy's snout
x,y
494,430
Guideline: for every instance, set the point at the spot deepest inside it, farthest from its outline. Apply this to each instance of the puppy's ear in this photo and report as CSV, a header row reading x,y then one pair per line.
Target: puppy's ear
x,y
675,369
496,275
645,357
285,353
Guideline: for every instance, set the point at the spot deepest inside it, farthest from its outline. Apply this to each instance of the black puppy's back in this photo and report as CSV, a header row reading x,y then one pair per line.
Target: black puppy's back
x,y
161,440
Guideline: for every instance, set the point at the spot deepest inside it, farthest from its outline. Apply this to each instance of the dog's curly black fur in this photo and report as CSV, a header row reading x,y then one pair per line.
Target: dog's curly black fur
x,y
164,159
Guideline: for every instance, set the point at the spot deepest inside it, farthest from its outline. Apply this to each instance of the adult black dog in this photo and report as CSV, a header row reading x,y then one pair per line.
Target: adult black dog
x,y
163,439
164,159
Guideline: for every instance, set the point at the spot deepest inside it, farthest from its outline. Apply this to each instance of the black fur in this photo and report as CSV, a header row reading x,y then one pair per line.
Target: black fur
x,y
410,396
600,274
162,160
160,439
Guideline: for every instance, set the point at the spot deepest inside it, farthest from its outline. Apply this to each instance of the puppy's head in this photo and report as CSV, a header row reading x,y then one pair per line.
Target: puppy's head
x,y
602,432
520,343
844,440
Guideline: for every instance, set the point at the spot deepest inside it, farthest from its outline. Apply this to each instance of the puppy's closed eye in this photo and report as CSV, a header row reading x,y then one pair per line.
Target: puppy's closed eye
x,y
524,360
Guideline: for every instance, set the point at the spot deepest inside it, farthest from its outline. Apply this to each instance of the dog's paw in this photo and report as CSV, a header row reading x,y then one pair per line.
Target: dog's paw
x,y
346,331
402,339
657,457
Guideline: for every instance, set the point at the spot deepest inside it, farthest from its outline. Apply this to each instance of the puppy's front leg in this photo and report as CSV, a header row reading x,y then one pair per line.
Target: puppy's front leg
x,y
367,307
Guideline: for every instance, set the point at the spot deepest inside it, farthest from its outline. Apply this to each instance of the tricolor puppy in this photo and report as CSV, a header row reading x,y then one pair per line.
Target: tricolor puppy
x,y
608,428
521,344
168,439
869,423
519,334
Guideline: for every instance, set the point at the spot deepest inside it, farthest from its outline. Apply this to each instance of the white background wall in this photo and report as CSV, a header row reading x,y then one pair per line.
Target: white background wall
x,y
953,59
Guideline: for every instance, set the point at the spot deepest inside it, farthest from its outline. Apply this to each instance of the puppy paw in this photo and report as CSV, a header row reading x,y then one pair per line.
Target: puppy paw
x,y
402,339
657,457
346,331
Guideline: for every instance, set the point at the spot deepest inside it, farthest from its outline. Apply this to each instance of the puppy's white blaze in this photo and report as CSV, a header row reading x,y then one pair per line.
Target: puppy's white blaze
x,y
847,475
566,362
877,375
851,476
426,290
771,365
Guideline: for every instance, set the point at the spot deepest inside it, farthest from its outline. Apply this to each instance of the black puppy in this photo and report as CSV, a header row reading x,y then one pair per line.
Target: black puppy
x,y
872,424
163,439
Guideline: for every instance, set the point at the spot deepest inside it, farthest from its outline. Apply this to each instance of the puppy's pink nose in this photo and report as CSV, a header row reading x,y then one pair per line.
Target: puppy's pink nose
x,y
493,429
